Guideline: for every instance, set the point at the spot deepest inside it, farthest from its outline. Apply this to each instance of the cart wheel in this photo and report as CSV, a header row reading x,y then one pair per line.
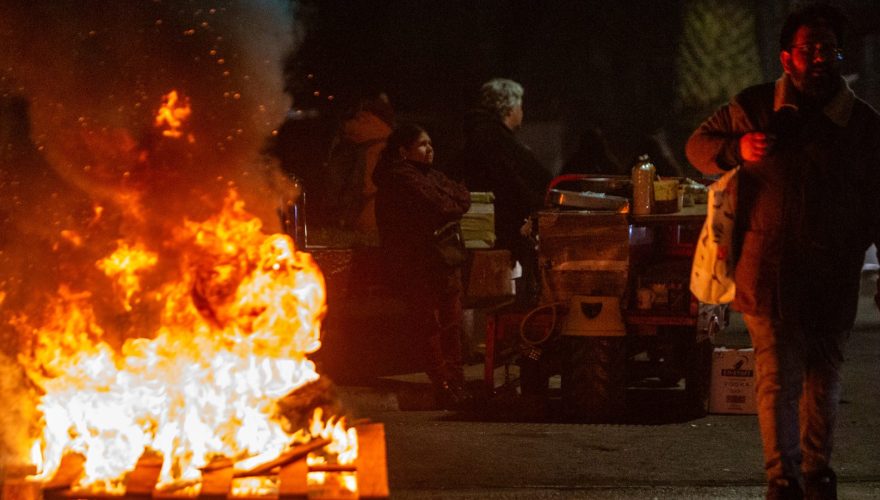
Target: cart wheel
x,y
594,378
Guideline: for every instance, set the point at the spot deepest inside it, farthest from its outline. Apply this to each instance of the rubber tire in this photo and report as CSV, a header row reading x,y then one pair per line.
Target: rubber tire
x,y
594,378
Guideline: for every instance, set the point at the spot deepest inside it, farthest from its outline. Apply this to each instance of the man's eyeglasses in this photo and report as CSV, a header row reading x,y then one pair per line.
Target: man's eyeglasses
x,y
813,50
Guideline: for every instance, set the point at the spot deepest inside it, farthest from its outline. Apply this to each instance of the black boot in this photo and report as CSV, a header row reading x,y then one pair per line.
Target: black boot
x,y
784,489
821,485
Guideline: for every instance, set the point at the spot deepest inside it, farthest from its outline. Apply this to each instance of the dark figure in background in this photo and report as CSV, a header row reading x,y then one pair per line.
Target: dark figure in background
x,y
593,156
301,146
352,160
808,209
493,159
413,200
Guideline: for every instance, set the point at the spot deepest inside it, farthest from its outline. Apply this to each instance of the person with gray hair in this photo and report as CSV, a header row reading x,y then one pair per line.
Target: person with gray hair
x,y
493,159
504,97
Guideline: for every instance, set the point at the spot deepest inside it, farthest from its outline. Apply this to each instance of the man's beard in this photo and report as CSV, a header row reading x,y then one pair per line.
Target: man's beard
x,y
817,87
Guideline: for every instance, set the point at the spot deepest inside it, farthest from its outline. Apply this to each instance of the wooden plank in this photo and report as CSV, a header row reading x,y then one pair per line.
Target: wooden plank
x,y
216,479
332,468
79,495
174,493
372,468
293,480
14,484
20,489
69,470
142,479
291,455
291,467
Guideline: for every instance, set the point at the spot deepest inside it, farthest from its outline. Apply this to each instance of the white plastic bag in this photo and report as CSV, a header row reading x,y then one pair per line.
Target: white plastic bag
x,y
713,266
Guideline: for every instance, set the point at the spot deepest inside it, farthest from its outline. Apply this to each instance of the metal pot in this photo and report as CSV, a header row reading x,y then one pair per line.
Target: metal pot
x,y
613,185
586,200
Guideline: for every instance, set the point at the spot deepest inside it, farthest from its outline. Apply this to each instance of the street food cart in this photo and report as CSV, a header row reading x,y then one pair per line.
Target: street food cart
x,y
615,308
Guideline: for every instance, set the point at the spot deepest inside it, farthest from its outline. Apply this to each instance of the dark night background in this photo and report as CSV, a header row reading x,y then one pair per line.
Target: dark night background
x,y
582,63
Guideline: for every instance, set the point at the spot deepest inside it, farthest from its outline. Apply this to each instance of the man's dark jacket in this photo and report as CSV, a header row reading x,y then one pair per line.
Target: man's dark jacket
x,y
494,160
807,213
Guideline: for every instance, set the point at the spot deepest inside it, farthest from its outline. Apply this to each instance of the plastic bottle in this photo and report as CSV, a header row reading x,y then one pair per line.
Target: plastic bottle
x,y
643,186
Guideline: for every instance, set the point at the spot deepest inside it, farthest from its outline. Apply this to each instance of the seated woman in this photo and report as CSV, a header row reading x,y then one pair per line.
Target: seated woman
x,y
414,200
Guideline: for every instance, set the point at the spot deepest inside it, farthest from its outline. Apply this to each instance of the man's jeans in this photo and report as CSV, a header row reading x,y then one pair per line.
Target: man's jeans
x,y
798,392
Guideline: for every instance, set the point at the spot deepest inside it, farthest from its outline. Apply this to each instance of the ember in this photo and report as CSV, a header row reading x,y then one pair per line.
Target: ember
x,y
171,116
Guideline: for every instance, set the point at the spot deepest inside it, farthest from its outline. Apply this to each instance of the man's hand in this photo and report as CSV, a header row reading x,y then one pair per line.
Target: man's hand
x,y
755,146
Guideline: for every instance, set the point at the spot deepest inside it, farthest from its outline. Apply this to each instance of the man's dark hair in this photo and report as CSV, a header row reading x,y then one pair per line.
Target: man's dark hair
x,y
813,15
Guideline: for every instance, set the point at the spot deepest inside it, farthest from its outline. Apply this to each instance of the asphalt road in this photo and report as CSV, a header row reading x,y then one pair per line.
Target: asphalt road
x,y
507,452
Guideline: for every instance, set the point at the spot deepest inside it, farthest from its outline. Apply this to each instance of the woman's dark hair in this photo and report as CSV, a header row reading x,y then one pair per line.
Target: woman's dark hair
x,y
404,136
813,15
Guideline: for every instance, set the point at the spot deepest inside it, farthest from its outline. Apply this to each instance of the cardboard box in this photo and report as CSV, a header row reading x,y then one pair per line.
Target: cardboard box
x,y
478,224
733,381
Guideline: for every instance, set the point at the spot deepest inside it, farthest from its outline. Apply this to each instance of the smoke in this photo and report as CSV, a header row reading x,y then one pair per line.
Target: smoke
x,y
95,72
82,163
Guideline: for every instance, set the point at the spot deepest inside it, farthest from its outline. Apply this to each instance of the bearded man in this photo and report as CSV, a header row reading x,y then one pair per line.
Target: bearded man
x,y
808,209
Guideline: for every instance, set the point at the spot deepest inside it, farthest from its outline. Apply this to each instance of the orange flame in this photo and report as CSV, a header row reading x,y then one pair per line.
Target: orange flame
x,y
342,450
343,440
172,114
232,339
124,265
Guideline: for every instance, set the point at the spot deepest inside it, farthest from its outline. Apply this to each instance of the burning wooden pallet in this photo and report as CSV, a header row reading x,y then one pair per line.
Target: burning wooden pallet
x,y
287,477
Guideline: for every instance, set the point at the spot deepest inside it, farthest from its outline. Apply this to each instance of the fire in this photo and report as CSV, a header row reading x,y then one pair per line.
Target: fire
x,y
124,265
343,440
172,114
235,325
73,237
342,447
